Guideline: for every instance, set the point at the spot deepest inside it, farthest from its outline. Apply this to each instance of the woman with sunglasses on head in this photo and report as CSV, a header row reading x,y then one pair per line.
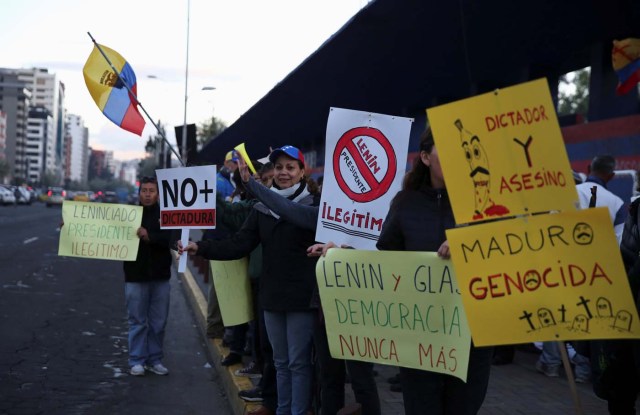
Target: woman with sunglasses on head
x,y
147,287
287,281
417,220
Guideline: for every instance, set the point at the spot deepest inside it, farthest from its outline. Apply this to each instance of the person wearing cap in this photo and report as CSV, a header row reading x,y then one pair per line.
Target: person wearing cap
x,y
332,371
287,282
224,184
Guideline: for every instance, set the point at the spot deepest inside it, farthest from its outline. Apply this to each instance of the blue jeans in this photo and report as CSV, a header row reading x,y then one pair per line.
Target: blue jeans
x,y
291,334
147,309
550,356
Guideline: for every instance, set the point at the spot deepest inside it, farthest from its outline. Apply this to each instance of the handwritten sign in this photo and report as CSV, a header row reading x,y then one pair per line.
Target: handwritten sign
x,y
544,277
100,230
503,153
364,166
231,279
394,308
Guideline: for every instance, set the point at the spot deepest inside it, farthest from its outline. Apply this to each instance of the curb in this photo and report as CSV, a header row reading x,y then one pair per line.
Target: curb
x,y
232,384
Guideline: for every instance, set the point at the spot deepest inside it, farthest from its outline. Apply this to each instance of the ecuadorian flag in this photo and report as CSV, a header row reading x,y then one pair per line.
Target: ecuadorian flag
x,y
108,91
625,58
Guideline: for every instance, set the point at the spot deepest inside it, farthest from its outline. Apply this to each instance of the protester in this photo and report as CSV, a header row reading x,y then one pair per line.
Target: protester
x,y
618,361
147,287
418,217
287,281
601,171
332,371
224,188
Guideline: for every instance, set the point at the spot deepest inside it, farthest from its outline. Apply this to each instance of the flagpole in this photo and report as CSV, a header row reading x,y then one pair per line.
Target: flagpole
x,y
136,98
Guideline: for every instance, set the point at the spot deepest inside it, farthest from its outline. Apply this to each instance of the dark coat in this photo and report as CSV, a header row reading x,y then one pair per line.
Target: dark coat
x,y
153,262
417,221
630,246
288,275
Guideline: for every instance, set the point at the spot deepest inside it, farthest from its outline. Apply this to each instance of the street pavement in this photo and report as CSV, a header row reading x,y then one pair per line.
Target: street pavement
x,y
63,334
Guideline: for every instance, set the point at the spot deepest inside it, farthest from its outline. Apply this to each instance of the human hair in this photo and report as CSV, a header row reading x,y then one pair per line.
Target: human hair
x,y
603,164
268,166
419,174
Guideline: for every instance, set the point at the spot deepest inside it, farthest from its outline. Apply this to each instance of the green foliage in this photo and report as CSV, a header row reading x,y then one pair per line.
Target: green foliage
x,y
573,92
209,129
4,169
147,167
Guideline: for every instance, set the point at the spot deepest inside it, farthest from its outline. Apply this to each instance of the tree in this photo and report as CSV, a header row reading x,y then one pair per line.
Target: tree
x,y
573,92
209,129
4,169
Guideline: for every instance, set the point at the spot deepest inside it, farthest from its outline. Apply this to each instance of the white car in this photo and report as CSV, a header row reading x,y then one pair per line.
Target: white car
x,y
25,196
6,196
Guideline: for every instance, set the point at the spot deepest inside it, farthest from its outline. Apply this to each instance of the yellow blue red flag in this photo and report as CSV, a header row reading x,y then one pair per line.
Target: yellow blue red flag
x,y
109,92
625,58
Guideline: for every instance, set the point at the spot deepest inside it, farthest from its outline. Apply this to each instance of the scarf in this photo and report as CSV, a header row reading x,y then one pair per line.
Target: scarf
x,y
294,193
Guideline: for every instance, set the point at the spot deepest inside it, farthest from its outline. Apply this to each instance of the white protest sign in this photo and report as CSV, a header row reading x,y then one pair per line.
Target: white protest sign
x,y
187,197
365,162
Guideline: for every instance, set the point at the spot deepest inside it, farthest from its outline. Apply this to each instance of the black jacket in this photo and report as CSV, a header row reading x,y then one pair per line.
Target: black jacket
x,y
288,275
417,221
153,262
630,246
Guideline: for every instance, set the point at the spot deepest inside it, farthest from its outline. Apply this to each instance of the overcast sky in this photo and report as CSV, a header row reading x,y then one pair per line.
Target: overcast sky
x,y
243,48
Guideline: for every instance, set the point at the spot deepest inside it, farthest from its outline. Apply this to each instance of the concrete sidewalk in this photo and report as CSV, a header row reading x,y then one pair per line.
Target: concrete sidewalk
x,y
515,388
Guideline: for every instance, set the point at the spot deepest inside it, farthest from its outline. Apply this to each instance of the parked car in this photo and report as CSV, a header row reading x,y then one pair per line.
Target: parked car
x,y
110,197
6,196
24,195
55,196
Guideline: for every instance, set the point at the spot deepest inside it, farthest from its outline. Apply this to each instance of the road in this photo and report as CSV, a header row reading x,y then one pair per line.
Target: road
x,y
63,333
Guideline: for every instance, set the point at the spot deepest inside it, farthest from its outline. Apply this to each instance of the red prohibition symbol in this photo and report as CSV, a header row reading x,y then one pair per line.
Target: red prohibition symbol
x,y
376,188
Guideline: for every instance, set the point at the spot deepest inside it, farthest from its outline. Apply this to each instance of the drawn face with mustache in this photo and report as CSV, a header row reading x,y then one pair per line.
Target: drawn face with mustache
x,y
582,233
476,157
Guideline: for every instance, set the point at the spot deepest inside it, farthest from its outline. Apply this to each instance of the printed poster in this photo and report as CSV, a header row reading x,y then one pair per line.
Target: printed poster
x,y
365,162
394,308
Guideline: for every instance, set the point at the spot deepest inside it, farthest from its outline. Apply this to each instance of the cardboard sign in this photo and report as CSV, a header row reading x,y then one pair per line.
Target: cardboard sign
x,y
100,230
394,308
544,277
503,154
187,197
233,289
364,166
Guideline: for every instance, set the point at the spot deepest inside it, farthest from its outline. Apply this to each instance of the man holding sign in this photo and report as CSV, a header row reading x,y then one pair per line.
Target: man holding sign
x,y
147,287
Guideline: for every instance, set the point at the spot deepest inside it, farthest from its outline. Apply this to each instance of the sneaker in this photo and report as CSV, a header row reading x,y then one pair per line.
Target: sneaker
x,y
251,395
249,371
137,370
158,369
550,371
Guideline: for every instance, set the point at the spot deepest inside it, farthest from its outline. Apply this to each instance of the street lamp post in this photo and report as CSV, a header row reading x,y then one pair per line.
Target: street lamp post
x,y
186,83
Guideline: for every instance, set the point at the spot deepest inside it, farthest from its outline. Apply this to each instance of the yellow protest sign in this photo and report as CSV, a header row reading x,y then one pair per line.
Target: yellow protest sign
x,y
231,280
503,154
394,308
544,277
100,230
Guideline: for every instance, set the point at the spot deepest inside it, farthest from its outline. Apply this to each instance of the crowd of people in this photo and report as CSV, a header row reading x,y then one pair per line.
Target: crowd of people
x,y
270,217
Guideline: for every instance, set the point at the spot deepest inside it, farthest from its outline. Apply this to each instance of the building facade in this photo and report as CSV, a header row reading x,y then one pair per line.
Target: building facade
x,y
77,142
39,150
15,99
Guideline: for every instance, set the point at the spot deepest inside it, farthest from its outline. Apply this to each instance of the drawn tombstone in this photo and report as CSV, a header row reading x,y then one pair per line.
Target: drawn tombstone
x,y
622,320
603,306
580,323
545,316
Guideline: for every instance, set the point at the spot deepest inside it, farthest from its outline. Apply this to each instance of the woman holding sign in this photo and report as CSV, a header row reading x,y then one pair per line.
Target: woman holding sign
x,y
417,220
287,282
